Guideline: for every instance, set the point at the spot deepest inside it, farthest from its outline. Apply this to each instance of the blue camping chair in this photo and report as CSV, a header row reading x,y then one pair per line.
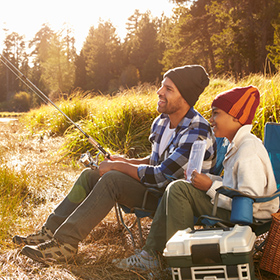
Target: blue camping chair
x,y
271,143
241,202
142,212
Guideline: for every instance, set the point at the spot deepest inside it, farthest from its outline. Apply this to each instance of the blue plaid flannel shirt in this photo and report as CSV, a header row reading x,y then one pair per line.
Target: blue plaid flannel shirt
x,y
172,163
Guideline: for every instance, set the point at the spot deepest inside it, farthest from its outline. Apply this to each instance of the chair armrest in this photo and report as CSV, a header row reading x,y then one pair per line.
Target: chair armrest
x,y
229,192
210,221
156,192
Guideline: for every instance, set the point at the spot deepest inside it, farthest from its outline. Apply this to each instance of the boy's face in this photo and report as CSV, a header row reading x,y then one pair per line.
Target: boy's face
x,y
223,124
170,100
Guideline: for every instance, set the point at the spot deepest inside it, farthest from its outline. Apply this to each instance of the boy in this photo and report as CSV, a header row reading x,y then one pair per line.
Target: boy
x,y
247,167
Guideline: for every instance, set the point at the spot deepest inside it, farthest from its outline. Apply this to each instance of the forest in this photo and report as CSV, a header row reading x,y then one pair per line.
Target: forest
x,y
229,38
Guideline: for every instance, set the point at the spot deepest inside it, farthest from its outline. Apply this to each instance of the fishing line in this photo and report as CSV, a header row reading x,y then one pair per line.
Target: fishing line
x,y
23,78
43,97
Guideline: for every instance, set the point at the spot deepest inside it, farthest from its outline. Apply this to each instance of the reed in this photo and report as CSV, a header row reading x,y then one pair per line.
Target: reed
x,y
48,120
121,123
13,191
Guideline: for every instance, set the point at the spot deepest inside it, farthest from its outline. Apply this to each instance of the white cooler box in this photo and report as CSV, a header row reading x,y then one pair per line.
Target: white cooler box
x,y
212,254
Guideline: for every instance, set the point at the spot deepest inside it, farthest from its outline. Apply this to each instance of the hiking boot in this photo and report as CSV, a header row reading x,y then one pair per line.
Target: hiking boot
x,y
51,250
140,260
34,239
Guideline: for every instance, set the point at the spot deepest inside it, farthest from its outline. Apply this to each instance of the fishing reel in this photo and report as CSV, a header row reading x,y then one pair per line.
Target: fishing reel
x,y
88,161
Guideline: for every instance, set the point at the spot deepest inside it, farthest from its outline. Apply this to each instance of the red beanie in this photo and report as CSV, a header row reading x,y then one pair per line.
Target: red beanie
x,y
240,102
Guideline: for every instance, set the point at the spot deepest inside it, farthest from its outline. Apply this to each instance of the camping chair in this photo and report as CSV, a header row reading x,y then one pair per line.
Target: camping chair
x,y
242,212
271,143
142,212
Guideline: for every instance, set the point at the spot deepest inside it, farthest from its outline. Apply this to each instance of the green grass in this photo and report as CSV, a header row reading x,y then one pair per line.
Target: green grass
x,y
48,120
10,115
121,124
13,190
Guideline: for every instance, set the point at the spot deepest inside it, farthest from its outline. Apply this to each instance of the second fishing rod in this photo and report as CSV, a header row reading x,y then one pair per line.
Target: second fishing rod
x,y
86,159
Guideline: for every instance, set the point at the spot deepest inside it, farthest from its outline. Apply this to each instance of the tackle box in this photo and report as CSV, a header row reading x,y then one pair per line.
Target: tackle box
x,y
211,254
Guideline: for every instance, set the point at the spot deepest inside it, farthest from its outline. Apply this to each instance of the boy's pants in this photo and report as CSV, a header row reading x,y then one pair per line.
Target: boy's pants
x,y
179,205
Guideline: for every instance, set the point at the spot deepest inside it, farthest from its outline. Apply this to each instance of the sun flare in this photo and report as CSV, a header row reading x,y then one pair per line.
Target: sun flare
x,y
29,15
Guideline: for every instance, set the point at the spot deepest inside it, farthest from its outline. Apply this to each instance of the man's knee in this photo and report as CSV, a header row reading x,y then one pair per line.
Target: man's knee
x,y
89,173
83,185
112,176
112,180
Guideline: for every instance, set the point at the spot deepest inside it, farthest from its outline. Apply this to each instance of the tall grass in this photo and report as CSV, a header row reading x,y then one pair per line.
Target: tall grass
x,y
48,120
121,124
267,111
13,190
10,115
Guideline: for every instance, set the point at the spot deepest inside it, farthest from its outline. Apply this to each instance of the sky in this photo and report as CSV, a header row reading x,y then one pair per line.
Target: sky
x,y
26,17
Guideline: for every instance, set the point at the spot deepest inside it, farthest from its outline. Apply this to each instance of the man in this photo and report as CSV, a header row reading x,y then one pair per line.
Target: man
x,y
125,180
247,168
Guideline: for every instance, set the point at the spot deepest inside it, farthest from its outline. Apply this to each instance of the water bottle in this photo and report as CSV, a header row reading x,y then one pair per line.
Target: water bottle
x,y
196,158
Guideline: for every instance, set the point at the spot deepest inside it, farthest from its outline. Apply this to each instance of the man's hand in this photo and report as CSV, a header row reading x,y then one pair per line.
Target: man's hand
x,y
201,181
105,166
118,158
119,164
108,164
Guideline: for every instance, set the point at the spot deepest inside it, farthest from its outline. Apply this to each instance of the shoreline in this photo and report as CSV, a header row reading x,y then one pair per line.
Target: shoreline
x,y
6,120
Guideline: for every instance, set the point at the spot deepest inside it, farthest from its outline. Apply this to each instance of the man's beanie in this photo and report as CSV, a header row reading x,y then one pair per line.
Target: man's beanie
x,y
190,80
240,102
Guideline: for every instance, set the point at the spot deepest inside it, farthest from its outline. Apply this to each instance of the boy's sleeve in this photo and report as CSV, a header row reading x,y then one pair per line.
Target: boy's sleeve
x,y
248,177
217,182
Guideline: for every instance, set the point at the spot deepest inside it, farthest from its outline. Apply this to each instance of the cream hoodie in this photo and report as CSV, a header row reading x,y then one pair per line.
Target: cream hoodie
x,y
247,168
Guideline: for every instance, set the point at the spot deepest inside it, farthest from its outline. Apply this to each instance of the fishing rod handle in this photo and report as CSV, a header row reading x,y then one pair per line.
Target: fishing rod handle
x,y
99,147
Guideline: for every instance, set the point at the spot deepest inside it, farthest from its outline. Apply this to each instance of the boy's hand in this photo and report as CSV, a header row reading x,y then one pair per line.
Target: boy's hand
x,y
201,181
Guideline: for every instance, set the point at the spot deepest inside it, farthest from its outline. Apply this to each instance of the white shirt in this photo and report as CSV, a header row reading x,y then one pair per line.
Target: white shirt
x,y
165,138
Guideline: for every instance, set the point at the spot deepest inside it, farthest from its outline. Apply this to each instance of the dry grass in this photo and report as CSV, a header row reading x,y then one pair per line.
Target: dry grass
x,y
49,182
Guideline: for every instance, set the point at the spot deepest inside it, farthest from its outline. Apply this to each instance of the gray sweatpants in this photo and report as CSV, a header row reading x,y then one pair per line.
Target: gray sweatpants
x,y
90,200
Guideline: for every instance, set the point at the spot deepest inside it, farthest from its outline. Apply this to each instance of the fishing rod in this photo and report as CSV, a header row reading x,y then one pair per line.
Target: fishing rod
x,y
84,158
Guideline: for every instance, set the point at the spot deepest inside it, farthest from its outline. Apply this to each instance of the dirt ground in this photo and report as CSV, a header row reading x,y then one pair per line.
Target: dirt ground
x,y
53,179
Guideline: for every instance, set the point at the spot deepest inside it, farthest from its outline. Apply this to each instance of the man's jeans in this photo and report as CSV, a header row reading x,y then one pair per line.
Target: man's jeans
x,y
179,205
90,200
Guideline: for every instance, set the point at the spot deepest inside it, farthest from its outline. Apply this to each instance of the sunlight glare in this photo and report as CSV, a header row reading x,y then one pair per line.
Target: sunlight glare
x,y
27,17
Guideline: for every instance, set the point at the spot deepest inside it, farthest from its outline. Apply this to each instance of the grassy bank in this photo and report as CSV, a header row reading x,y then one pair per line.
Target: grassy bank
x,y
34,179
10,115
13,191
121,124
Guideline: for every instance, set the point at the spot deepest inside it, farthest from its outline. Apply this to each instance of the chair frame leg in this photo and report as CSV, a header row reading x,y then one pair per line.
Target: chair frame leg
x,y
140,230
120,219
